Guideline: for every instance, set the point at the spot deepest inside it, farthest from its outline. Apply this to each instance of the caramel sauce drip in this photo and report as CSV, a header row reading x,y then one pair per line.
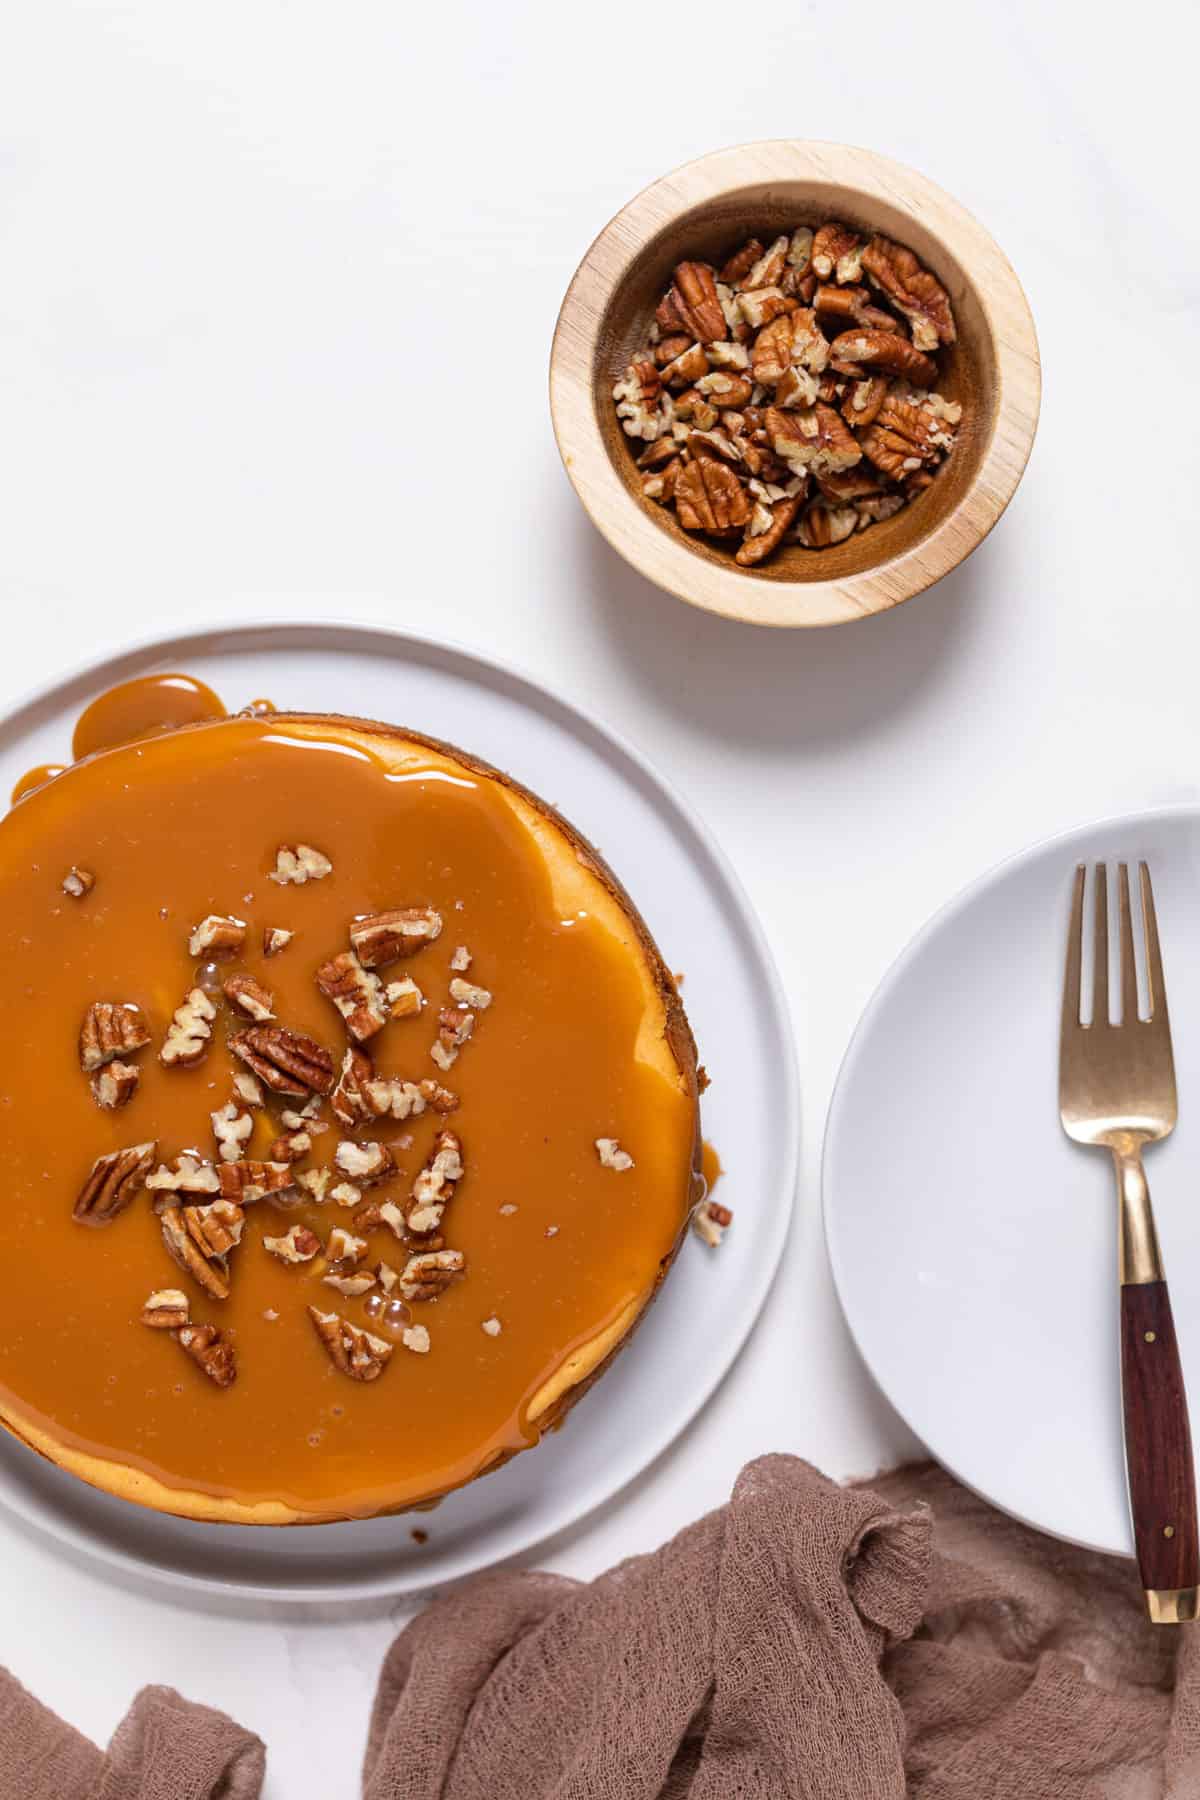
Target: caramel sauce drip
x,y
33,779
177,827
710,1166
141,708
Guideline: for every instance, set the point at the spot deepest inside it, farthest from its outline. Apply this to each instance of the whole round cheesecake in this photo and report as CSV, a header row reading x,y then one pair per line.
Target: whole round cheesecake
x,y
350,1119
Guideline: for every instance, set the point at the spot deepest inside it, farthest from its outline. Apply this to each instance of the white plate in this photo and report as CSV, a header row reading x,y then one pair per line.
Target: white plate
x,y
974,1246
704,924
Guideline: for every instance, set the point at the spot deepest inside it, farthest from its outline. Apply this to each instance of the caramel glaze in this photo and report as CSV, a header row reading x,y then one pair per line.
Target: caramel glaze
x,y
142,707
36,778
711,1166
176,827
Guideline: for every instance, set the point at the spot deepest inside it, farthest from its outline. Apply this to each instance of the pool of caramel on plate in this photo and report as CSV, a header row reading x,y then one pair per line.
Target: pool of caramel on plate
x,y
186,824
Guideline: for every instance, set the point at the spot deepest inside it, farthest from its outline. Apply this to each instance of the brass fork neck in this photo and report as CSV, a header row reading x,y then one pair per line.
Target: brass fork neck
x,y
1141,1260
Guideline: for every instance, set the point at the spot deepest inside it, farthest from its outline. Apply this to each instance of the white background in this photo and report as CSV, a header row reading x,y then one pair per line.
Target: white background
x,y
277,287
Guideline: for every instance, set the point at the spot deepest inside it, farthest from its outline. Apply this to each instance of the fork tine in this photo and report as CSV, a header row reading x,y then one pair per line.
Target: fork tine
x,y
1074,975
1154,969
1129,999
1100,949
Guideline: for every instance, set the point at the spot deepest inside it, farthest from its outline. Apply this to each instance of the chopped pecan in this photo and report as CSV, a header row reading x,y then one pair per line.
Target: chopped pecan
x,y
434,1186
389,1214
799,256
903,438
768,268
384,937
299,1245
728,356
403,999
110,1029
78,882
248,1087
612,1156
837,251
166,1309
314,1182
275,939
426,1276
290,1148
709,497
492,1326
844,306
232,1126
211,1350
819,440
810,347
454,1028
416,1337
725,392
695,301
797,387
862,403
841,485
693,407
468,997
392,1097
112,1182
247,1181
355,1352
216,1229
115,1085
189,1033
297,863
710,1221
756,548
800,287
188,1175
686,368
765,307
823,525
771,353
212,1275
289,1062
912,290
386,1276
718,446
345,1194
351,1285
638,395
874,508
740,263
218,935
365,1163
349,1098
356,992
668,348
250,997
886,351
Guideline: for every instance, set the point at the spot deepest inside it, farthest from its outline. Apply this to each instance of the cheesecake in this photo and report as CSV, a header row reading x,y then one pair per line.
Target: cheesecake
x,y
350,1119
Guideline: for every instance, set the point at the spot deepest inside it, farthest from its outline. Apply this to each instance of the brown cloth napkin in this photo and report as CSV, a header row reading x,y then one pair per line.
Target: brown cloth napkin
x,y
893,1639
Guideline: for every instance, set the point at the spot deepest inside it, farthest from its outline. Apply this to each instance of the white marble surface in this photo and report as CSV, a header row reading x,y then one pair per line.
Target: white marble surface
x,y
278,289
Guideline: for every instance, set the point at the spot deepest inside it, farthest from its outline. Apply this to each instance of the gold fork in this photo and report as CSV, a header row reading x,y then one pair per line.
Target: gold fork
x,y
1116,1090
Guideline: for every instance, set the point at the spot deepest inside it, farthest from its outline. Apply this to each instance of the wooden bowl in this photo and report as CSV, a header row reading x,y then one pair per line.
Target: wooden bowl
x,y
705,210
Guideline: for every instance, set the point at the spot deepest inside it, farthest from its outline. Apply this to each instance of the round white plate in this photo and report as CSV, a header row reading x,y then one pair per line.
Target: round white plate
x,y
704,924
973,1245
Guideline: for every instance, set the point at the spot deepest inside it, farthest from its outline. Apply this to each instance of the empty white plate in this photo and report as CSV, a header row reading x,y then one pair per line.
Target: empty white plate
x,y
974,1246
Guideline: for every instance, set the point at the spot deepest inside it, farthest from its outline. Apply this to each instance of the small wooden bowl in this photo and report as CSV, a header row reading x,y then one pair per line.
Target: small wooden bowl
x,y
707,209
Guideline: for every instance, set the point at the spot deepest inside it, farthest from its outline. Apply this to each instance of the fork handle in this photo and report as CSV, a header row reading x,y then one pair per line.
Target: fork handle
x,y
1158,1454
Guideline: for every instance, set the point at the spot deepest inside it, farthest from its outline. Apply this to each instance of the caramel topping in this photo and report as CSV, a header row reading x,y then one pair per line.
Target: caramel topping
x,y
183,827
141,708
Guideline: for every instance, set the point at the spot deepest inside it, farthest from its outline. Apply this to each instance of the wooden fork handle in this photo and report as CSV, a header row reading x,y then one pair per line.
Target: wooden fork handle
x,y
1158,1454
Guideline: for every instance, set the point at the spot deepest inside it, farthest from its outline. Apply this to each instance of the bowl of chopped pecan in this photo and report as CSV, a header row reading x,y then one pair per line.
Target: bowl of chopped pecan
x,y
795,383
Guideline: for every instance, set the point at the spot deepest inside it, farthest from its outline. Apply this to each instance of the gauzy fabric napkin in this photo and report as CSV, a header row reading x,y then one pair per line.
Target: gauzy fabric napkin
x,y
876,1642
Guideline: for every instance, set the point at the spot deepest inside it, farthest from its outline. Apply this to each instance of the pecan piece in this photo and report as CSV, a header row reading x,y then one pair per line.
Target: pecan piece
x,y
740,263
275,939
841,485
612,1156
426,1276
710,1221
248,1087
764,307
211,1275
189,1175
351,1285
886,351
189,1032
219,935
725,392
166,1309
365,1163
757,548
904,438
250,997
912,290
232,1126
468,997
810,347
771,352
349,1098
392,1097
288,1062
78,883
877,507
637,395
862,403
695,301
384,937
115,1085
709,497
435,1184
211,1351
247,1181
357,1353
818,440
216,1229
668,348
112,1182
403,999
291,1148
767,269
454,1028
297,863
299,1245
823,525
110,1029
416,1337
686,368
356,992
837,251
